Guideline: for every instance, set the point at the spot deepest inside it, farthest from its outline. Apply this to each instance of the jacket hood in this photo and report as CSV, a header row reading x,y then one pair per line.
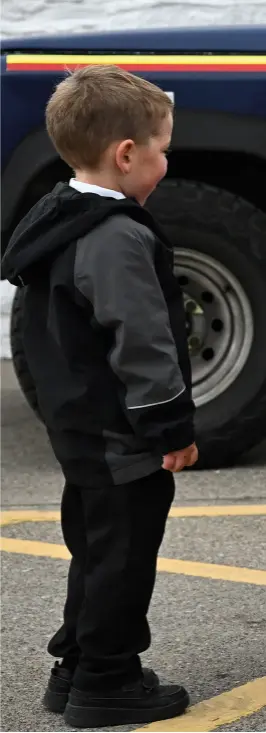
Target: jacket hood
x,y
58,219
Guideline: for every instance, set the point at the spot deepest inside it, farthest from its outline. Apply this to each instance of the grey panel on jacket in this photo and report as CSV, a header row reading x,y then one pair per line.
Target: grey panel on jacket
x,y
127,458
114,270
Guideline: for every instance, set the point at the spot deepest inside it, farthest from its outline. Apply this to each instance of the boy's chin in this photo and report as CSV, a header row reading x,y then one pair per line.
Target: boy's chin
x,y
141,196
144,198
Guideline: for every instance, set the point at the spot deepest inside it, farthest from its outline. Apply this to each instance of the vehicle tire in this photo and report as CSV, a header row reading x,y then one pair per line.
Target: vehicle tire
x,y
219,245
18,356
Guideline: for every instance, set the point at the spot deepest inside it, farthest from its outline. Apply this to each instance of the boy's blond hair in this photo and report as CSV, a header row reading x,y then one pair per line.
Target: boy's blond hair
x,y
97,105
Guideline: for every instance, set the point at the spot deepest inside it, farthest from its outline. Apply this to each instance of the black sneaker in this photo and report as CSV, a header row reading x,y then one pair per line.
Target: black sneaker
x,y
144,702
59,684
58,688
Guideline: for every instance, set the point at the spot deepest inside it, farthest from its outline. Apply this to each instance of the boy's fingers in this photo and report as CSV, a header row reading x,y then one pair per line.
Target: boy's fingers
x,y
180,462
193,456
174,463
177,460
169,462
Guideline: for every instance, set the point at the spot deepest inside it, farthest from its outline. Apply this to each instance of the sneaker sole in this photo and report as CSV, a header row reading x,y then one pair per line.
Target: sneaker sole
x,y
55,701
92,717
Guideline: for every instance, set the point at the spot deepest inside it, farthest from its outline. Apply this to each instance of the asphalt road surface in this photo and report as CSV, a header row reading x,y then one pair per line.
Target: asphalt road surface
x,y
208,614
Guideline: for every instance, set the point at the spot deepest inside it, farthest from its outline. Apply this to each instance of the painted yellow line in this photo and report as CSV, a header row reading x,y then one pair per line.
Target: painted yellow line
x,y
138,59
165,565
32,547
239,510
210,570
17,516
220,710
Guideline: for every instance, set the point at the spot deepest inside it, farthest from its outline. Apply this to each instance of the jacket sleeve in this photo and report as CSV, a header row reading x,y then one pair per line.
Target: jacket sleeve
x,y
115,270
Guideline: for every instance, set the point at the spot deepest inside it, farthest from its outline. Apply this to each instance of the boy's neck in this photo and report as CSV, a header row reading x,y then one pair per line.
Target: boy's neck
x,y
104,179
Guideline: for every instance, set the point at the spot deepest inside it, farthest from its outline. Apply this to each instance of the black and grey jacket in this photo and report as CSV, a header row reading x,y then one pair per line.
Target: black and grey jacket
x,y
104,335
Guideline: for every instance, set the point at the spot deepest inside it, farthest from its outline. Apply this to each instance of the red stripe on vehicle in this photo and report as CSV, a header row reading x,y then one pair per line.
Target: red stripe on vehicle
x,y
204,68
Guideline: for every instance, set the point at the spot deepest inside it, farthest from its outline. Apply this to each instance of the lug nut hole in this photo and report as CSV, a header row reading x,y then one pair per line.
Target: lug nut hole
x,y
208,354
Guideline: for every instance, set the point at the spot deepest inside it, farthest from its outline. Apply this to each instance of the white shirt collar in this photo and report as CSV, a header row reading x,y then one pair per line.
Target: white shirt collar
x,y
89,188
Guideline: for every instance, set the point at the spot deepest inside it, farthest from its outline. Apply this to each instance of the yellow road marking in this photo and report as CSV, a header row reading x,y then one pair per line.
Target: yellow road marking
x,y
32,547
28,515
165,565
210,570
239,510
220,710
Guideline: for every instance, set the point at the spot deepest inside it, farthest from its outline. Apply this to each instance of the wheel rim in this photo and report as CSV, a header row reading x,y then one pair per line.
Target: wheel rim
x,y
219,323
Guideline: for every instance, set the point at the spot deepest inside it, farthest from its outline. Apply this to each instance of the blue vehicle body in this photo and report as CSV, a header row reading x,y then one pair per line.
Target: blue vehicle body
x,y
231,93
216,111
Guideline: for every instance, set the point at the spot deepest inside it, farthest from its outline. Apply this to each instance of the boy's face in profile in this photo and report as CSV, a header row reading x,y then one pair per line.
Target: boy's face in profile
x,y
144,166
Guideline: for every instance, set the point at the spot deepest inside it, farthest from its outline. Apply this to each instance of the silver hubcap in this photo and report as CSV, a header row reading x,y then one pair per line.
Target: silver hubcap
x,y
219,323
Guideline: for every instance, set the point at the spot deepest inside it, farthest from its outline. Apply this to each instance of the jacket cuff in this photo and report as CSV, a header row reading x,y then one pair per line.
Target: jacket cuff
x,y
179,438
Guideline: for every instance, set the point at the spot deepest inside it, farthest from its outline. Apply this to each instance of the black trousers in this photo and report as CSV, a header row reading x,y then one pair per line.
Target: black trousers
x,y
113,535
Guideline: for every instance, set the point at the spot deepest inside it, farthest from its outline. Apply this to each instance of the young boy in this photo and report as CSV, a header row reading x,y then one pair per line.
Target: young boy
x,y
105,340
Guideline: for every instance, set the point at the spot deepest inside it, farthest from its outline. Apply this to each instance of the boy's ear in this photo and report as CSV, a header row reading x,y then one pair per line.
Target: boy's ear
x,y
124,155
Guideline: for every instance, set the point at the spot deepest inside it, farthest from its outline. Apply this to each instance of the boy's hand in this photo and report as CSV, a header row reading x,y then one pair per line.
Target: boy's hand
x,y
178,459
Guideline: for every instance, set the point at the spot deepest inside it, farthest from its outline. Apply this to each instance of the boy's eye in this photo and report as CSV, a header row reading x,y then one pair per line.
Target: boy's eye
x,y
167,151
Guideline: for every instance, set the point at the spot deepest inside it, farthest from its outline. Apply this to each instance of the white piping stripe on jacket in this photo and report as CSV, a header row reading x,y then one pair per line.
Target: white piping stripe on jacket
x,y
153,404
